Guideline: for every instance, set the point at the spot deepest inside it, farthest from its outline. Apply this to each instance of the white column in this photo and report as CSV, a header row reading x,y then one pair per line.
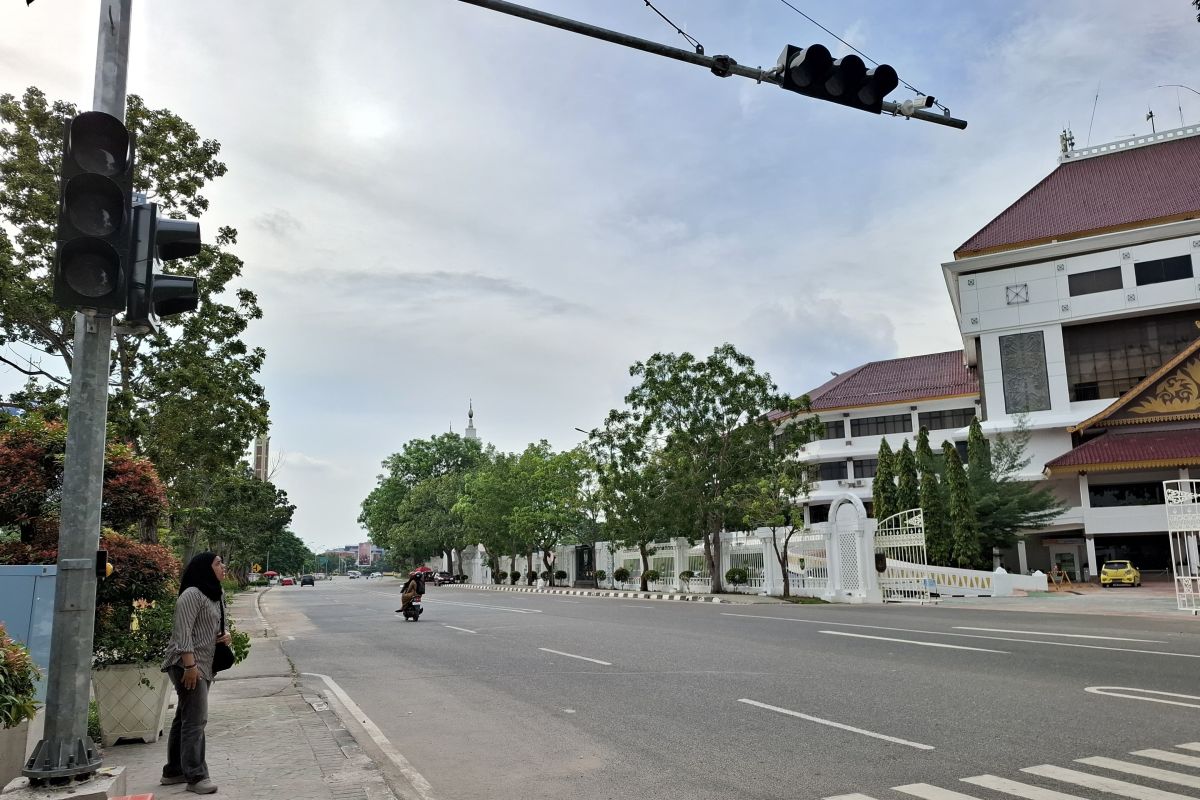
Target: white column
x,y
1093,573
1022,558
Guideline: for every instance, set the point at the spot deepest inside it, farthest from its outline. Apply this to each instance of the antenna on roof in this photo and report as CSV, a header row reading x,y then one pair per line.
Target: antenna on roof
x,y
1095,103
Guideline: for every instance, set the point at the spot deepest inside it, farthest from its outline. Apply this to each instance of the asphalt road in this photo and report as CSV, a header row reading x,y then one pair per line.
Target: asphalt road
x,y
507,695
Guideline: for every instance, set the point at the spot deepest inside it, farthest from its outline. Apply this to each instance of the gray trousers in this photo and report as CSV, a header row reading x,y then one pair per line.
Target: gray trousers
x,y
185,744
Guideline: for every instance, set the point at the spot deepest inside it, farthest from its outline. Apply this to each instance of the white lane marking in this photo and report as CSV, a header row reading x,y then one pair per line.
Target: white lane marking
x,y
572,655
1190,746
1167,755
964,635
481,605
840,725
1100,784
464,630
415,779
291,638
630,605
1109,691
928,792
855,796
1016,789
1141,770
913,641
1064,635
576,602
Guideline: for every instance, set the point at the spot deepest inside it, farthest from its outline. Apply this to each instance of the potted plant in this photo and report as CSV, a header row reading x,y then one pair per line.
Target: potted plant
x,y
513,577
737,576
620,575
18,688
531,577
560,574
501,576
135,607
651,576
685,578
601,575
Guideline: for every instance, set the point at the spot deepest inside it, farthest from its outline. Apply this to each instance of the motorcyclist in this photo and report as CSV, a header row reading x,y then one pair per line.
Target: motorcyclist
x,y
413,588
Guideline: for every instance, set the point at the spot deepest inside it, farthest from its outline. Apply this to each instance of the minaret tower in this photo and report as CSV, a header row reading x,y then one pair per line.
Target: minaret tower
x,y
470,432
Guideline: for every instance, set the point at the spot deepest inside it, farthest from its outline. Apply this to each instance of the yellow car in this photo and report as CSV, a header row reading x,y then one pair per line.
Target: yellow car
x,y
1119,572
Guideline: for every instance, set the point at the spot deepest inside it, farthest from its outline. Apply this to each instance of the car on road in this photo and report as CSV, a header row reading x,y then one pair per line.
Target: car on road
x,y
287,581
1115,573
308,580
443,577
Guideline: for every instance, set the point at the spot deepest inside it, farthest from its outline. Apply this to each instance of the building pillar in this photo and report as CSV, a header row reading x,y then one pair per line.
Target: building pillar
x,y
1022,558
1090,540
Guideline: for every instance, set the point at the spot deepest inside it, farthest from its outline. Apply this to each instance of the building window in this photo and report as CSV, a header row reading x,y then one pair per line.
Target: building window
x,y
1162,270
830,471
818,513
865,467
834,430
1149,493
1023,366
946,420
1100,280
1107,359
878,426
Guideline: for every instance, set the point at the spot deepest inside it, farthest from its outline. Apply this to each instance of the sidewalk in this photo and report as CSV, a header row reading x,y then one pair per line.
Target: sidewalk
x,y
1149,600
266,737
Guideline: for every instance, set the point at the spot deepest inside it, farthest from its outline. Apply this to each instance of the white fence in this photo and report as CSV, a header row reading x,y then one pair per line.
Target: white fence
x,y
808,565
1183,531
900,539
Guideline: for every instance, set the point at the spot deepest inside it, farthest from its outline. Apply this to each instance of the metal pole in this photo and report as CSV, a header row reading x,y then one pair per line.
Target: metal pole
x,y
721,65
66,752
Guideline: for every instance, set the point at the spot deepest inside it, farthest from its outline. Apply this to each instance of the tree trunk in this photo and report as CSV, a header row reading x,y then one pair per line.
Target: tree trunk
x,y
712,557
645,566
148,530
529,568
549,567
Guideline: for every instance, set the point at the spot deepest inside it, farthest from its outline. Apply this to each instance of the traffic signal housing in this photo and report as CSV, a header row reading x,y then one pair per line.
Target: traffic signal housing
x,y
155,295
814,72
94,232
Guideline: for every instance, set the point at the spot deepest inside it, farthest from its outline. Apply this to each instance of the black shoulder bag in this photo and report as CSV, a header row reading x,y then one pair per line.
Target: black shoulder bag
x,y
223,655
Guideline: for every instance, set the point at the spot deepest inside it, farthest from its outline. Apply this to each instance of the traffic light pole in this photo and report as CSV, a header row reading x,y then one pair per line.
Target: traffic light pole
x,y
721,66
65,752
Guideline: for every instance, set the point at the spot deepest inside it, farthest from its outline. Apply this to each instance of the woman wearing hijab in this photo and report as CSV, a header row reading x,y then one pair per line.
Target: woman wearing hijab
x,y
189,662
413,587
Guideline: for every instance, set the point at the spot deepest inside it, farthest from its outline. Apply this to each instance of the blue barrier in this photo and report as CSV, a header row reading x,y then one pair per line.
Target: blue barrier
x,y
27,611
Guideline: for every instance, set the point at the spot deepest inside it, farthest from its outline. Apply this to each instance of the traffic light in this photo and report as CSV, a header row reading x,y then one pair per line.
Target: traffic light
x,y
94,220
847,81
153,295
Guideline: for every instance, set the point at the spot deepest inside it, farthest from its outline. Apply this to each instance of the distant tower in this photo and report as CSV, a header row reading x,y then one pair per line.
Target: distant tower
x,y
262,454
471,432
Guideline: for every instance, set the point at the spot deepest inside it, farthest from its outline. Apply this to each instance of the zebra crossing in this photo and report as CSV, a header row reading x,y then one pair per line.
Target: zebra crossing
x,y
1138,779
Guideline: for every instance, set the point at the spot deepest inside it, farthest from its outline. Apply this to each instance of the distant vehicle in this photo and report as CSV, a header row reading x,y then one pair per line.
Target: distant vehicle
x,y
319,576
351,575
308,580
443,577
287,582
1119,572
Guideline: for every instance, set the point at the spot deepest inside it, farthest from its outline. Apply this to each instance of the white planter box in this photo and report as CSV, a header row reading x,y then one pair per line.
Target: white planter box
x,y
129,708
12,752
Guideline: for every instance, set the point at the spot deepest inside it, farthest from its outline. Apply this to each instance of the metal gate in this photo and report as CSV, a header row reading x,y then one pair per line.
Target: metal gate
x,y
1183,531
808,564
900,543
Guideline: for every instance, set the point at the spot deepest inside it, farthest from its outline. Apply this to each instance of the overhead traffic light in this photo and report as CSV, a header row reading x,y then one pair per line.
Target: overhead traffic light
x,y
94,220
153,295
814,72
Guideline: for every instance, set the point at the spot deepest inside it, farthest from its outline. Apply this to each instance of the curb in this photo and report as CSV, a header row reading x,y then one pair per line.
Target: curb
x,y
268,631
691,598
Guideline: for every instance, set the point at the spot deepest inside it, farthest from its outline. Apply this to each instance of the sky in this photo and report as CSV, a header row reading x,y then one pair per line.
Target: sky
x,y
438,204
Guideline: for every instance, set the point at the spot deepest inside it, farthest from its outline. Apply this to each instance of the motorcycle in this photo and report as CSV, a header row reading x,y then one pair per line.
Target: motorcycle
x,y
413,610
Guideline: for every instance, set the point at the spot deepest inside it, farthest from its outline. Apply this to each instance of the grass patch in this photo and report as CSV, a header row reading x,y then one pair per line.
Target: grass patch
x,y
805,601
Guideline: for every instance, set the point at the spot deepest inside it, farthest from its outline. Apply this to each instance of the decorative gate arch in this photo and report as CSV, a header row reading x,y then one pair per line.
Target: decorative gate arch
x,y
900,539
1183,530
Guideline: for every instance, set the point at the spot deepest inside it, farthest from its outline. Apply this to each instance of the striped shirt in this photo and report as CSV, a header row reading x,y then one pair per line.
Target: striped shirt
x,y
197,626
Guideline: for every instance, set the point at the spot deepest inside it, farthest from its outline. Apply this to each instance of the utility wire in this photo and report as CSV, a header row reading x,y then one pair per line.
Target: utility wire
x,y
855,49
691,40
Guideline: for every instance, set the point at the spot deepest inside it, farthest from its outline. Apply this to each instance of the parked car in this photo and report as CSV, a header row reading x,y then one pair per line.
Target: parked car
x,y
1119,572
287,581
352,575
308,580
442,577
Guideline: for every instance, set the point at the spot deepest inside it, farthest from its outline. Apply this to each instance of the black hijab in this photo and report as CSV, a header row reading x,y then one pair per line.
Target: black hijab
x,y
199,573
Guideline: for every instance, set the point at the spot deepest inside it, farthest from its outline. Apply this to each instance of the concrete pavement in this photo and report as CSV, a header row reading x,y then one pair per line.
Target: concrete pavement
x,y
267,735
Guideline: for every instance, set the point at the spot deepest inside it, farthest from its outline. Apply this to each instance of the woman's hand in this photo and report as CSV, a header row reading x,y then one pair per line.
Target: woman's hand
x,y
190,677
225,639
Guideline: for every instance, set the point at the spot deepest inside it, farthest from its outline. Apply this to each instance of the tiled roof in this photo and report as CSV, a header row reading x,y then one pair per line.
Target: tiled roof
x,y
1155,183
898,380
1120,450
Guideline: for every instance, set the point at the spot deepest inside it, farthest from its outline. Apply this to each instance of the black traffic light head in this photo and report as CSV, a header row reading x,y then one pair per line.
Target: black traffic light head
x,y
153,295
94,220
847,81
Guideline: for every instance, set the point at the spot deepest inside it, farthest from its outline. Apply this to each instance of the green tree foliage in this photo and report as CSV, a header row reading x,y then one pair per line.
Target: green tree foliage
x,y
249,519
966,546
938,542
883,488
710,420
979,459
551,504
490,493
908,493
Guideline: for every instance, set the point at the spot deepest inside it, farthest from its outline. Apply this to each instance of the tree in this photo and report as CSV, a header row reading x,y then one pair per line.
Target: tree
x,y
248,520
187,397
883,488
490,493
964,527
1005,503
908,494
710,419
938,543
551,504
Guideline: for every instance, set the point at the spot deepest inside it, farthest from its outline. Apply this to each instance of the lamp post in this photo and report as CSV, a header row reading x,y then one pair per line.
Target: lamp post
x,y
1177,87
